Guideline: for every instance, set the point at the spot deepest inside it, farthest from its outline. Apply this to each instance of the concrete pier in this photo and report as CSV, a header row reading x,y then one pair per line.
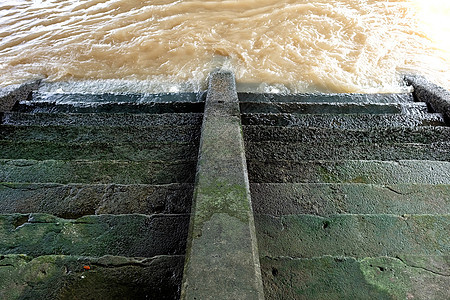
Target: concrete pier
x,y
222,259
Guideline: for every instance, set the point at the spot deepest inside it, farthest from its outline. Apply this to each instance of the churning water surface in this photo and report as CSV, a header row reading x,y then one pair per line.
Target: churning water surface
x,y
296,46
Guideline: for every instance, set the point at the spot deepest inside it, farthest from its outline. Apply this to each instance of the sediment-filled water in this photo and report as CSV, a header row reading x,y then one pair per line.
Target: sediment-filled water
x,y
294,46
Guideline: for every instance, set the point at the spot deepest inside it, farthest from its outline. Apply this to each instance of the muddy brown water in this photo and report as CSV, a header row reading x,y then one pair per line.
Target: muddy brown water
x,y
271,45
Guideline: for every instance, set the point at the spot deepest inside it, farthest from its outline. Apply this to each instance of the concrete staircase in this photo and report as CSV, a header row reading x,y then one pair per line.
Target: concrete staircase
x,y
225,195
95,195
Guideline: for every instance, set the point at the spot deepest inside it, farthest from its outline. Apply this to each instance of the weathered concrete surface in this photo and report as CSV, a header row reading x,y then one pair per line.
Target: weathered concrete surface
x,y
437,97
109,277
17,92
132,151
423,135
76,200
222,258
102,119
350,171
355,198
307,236
350,121
123,235
84,134
332,108
328,98
335,278
106,172
273,150
136,108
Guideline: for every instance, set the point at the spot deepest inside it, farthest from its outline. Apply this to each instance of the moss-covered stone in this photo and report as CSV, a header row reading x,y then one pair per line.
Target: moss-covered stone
x,y
91,172
349,198
79,277
123,235
132,151
335,277
331,150
76,200
84,134
350,171
307,236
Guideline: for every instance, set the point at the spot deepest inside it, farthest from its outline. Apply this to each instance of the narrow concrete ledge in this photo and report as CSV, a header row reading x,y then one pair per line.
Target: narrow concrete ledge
x,y
425,91
222,257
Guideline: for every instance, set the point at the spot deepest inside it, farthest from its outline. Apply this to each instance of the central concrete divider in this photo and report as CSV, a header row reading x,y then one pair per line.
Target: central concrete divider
x,y
222,260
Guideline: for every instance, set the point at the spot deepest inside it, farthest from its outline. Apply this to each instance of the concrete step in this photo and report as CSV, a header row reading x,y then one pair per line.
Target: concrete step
x,y
129,107
98,172
352,150
71,98
350,171
332,108
349,121
336,277
108,277
82,134
121,235
102,119
327,98
340,198
338,136
307,236
76,200
133,151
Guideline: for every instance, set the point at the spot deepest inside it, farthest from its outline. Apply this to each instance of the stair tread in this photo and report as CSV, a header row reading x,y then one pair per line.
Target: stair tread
x,y
154,108
338,135
134,151
328,98
102,119
355,235
336,277
350,171
333,108
80,134
76,200
43,234
346,121
108,277
352,150
349,198
105,171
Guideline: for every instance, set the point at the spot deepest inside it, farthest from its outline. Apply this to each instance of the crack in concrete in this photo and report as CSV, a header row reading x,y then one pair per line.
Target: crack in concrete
x,y
421,268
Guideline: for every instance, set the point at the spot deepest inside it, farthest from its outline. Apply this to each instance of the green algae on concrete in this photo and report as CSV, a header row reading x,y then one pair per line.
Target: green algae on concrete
x,y
331,150
123,235
336,277
131,151
222,257
306,236
349,198
108,277
76,200
350,171
90,172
